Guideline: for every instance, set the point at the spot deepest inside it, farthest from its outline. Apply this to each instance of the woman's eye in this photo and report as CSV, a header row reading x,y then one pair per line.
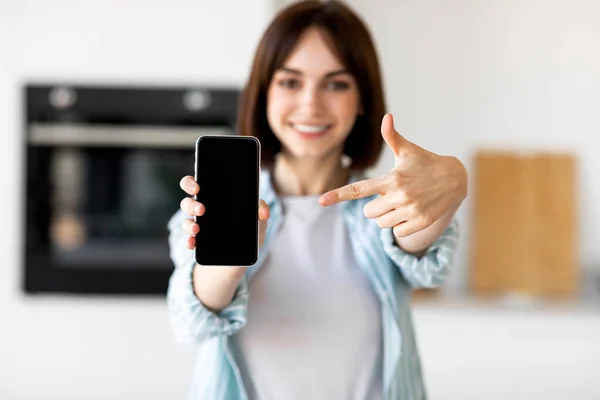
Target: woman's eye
x,y
338,85
289,83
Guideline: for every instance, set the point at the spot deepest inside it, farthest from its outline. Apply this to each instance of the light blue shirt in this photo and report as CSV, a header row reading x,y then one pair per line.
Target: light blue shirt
x,y
392,273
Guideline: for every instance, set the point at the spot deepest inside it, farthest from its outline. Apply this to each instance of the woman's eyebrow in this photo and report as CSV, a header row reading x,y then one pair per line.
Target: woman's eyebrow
x,y
342,71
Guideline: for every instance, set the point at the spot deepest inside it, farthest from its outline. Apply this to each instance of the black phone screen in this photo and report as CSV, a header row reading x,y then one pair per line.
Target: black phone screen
x,y
227,170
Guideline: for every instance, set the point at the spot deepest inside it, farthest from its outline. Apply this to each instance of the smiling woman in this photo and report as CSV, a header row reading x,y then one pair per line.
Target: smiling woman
x,y
315,70
324,313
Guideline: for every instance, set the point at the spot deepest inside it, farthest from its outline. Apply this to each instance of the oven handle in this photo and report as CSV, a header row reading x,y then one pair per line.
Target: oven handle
x,y
119,136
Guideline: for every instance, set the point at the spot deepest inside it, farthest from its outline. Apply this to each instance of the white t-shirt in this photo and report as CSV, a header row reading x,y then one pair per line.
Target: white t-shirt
x,y
314,322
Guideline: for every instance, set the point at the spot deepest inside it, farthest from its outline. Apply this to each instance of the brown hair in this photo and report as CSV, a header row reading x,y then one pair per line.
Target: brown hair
x,y
349,39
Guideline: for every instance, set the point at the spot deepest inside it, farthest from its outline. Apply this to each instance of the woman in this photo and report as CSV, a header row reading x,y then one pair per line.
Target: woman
x,y
324,313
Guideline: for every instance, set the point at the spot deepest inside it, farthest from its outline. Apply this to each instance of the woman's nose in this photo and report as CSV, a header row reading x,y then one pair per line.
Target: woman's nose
x,y
310,96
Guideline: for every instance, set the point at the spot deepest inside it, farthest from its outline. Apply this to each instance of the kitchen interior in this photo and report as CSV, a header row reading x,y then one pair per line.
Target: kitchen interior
x,y
100,105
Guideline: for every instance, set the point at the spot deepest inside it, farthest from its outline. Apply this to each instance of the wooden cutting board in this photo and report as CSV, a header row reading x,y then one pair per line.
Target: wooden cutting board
x,y
524,225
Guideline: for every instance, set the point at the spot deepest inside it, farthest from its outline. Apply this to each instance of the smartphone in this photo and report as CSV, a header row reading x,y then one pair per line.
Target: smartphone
x,y
227,169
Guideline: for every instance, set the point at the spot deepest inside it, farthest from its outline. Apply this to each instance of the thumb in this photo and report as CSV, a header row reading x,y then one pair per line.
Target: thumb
x,y
393,139
263,211
263,222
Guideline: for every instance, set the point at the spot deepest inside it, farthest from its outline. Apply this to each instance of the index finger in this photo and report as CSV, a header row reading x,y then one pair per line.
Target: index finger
x,y
352,191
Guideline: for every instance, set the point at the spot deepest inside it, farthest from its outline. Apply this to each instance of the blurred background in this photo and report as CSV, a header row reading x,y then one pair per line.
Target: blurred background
x,y
100,102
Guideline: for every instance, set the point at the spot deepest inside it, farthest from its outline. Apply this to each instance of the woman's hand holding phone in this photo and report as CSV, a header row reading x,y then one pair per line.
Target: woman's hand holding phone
x,y
194,208
214,285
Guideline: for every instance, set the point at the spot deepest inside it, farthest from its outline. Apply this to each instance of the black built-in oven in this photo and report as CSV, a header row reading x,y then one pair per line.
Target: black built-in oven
x,y
103,166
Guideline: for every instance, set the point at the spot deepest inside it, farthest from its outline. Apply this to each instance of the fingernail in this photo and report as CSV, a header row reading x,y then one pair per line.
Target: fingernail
x,y
197,209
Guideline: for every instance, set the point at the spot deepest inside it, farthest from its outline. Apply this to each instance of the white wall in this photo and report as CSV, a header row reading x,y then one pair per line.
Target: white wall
x,y
198,41
78,347
516,74
459,74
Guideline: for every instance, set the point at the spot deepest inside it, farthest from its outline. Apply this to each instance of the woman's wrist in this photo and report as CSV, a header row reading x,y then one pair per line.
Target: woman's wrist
x,y
457,173
215,286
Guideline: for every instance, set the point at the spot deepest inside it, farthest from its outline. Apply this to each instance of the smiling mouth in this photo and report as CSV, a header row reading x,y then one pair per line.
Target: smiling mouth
x,y
311,130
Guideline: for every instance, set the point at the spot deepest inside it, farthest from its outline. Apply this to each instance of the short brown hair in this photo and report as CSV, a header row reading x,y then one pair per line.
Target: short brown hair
x,y
349,39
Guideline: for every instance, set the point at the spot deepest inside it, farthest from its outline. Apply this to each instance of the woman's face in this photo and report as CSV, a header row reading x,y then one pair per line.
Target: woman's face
x,y
312,101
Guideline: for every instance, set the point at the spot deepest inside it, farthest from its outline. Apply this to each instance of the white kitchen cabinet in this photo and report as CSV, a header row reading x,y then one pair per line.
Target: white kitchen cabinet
x,y
484,350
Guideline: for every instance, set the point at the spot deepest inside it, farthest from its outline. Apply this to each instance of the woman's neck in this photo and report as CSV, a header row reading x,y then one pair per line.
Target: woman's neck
x,y
302,177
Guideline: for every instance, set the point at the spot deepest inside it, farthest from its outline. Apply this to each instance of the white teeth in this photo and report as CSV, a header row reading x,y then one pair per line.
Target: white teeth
x,y
309,128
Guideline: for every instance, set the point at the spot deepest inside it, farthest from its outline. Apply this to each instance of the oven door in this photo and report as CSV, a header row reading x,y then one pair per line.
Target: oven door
x,y
98,202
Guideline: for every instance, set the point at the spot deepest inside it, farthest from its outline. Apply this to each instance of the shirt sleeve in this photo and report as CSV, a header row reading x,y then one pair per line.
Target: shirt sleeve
x,y
191,322
431,270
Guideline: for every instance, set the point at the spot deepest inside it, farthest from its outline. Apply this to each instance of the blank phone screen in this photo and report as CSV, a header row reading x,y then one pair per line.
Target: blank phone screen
x,y
227,170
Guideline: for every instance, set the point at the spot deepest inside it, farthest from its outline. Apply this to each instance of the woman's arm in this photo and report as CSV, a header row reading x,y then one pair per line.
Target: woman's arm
x,y
193,321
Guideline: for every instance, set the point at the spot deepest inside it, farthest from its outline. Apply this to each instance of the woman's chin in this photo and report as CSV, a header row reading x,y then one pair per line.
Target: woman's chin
x,y
317,153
